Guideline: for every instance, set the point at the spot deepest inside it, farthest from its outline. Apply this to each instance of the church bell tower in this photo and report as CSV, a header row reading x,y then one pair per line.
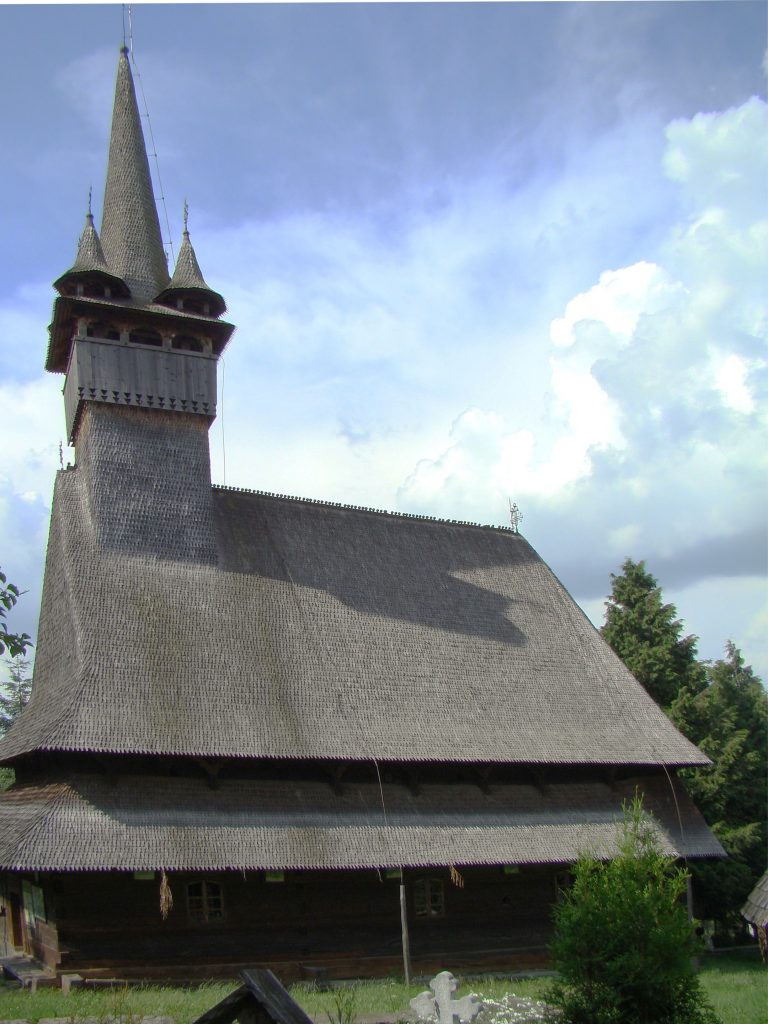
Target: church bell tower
x,y
139,351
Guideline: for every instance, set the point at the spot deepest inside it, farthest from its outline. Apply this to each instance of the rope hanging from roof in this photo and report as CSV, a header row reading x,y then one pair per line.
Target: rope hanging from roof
x,y
456,877
166,896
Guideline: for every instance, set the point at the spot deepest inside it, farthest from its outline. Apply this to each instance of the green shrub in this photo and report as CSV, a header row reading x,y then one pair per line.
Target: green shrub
x,y
623,944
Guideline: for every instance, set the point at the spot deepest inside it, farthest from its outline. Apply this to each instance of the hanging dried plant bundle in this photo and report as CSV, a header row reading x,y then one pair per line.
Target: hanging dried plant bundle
x,y
456,878
166,896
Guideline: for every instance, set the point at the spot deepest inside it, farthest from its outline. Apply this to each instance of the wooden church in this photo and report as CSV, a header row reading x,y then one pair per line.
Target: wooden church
x,y
255,718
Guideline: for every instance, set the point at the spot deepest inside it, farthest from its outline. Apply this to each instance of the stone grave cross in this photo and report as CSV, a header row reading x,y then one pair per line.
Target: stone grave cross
x,y
442,1004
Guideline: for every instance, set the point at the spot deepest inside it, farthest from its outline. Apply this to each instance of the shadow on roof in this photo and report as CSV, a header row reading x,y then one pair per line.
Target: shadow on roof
x,y
381,565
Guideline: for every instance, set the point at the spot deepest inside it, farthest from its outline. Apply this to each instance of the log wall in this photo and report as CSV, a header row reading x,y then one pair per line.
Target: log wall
x,y
344,918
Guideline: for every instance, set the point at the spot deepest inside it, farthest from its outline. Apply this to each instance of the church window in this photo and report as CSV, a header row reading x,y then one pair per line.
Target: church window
x,y
145,336
186,343
429,898
100,329
204,902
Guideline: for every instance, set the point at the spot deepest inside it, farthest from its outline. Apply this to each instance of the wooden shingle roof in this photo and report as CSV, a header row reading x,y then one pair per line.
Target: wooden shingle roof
x,y
188,278
90,255
755,910
130,229
151,822
187,272
317,631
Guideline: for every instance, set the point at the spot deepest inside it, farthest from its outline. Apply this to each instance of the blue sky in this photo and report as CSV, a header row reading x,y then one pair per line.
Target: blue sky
x,y
474,252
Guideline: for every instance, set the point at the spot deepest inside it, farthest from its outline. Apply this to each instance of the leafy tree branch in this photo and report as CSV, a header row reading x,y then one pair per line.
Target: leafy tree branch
x,y
15,644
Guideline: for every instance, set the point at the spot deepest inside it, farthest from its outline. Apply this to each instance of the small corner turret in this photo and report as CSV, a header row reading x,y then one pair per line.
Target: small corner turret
x,y
187,290
89,275
123,331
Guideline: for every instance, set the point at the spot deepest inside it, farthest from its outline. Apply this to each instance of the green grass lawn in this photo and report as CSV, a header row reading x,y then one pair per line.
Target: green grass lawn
x,y
736,984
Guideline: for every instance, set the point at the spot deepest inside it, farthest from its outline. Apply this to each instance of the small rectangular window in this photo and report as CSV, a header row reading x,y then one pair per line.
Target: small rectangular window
x,y
204,902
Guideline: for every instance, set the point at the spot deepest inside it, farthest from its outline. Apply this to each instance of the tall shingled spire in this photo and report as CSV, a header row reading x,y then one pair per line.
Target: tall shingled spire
x,y
130,229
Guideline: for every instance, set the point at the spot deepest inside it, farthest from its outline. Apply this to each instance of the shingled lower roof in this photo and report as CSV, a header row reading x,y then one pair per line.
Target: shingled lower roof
x,y
92,823
325,632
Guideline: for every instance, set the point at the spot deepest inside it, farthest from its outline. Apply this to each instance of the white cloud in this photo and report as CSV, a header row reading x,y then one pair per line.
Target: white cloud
x,y
639,425
721,160
457,354
83,82
615,302
653,438
731,381
31,437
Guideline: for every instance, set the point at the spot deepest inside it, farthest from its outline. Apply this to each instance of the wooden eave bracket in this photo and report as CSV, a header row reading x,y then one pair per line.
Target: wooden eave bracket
x,y
539,776
336,773
483,777
412,779
212,769
107,767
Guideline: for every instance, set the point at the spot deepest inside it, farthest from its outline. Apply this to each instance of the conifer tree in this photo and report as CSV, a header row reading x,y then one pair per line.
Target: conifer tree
x,y
15,693
646,635
623,944
728,721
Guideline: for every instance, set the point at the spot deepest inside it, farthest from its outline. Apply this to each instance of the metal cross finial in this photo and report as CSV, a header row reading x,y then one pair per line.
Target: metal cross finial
x,y
186,216
515,516
90,197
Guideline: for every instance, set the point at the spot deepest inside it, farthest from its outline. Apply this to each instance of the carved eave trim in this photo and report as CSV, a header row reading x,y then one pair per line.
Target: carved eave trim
x,y
212,769
172,292
539,778
482,775
336,772
120,288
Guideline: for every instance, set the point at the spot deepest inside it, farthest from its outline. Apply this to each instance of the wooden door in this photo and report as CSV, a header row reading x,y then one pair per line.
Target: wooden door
x,y
17,934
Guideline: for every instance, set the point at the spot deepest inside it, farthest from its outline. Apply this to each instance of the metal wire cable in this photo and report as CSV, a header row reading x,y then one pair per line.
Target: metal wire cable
x,y
161,197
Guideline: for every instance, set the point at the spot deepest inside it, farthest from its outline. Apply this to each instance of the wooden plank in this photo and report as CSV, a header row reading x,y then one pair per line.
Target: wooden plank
x,y
406,937
271,995
228,1009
